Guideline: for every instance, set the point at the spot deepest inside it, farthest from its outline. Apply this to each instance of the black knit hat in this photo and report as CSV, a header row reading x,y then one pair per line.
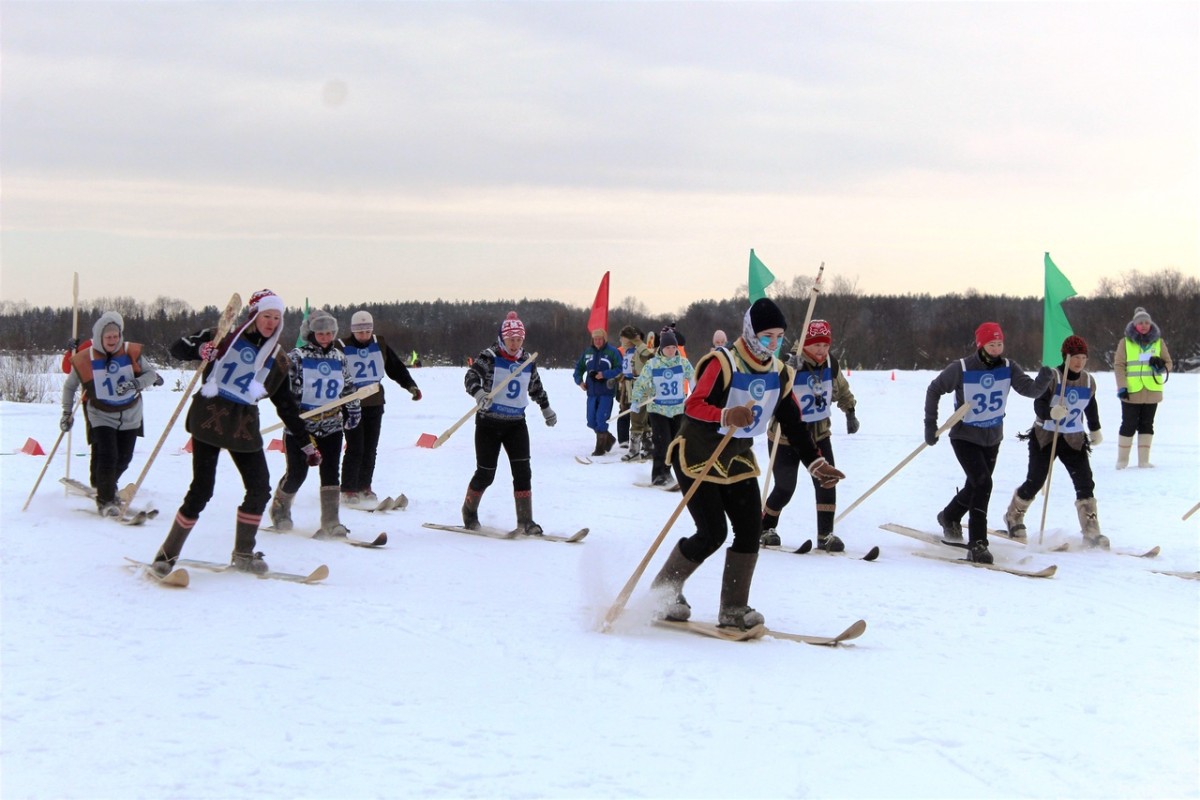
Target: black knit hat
x,y
765,314
667,339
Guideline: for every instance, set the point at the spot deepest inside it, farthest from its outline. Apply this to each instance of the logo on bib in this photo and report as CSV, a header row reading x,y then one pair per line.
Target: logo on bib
x,y
246,354
1072,396
324,368
112,367
987,380
757,389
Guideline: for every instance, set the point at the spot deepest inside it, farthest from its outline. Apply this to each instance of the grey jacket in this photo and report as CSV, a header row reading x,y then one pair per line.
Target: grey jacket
x,y
951,380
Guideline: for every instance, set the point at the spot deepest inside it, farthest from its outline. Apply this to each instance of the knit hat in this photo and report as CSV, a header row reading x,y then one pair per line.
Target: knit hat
x,y
1141,315
667,339
512,326
361,321
765,314
819,332
988,332
1074,346
265,300
629,332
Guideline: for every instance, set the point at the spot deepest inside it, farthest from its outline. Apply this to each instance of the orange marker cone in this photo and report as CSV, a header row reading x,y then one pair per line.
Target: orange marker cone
x,y
276,444
893,374
32,448
187,448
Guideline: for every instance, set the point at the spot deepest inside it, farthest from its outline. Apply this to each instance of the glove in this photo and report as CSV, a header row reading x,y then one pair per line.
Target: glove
x,y
550,417
72,345
826,474
415,392
353,417
1045,375
931,437
737,417
208,351
1157,364
1057,412
1122,393
125,387
482,401
1096,437
851,422
312,456
68,419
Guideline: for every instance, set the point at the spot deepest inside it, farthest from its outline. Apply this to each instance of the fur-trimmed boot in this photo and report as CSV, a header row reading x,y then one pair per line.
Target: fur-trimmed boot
x,y
470,509
635,448
735,592
331,525
1144,441
281,509
168,553
525,523
244,557
668,584
1014,517
1089,523
1124,446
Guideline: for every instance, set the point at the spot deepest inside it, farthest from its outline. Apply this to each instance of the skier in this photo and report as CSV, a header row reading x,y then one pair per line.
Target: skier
x,y
633,362
599,364
113,376
241,369
318,374
660,390
742,388
1141,366
819,384
1072,411
983,380
500,422
369,358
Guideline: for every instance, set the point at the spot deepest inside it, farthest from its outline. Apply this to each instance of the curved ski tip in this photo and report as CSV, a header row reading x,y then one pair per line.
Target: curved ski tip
x,y
854,631
318,574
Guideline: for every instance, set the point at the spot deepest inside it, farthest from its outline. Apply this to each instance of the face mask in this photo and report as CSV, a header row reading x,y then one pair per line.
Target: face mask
x,y
765,342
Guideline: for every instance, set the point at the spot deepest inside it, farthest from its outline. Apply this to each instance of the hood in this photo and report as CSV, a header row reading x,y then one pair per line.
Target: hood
x,y
106,319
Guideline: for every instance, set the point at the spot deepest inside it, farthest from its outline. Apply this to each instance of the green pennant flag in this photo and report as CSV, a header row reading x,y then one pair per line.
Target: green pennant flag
x,y
760,278
300,339
1055,326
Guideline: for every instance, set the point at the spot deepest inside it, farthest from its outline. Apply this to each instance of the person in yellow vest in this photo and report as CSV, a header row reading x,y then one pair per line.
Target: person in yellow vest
x,y
112,374
1142,366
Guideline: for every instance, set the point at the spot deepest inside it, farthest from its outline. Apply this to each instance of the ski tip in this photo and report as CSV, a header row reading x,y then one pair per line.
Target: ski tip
x,y
872,554
804,548
400,503
318,574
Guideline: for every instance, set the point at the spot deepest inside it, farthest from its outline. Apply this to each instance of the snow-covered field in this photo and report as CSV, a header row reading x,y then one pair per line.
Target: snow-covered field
x,y
454,666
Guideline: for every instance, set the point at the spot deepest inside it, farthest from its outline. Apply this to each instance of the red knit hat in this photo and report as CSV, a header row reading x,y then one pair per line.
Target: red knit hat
x,y
819,332
1074,346
512,326
988,332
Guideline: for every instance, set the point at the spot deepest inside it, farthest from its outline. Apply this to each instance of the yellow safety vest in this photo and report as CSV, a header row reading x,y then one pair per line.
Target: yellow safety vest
x,y
1138,373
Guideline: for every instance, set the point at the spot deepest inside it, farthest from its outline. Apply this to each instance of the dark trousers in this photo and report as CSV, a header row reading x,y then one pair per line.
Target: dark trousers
x,y
330,448
255,477
741,502
1078,465
978,463
1137,418
786,474
112,450
664,429
490,437
358,464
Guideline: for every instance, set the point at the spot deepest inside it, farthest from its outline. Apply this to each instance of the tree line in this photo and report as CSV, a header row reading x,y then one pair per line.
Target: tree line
x,y
914,331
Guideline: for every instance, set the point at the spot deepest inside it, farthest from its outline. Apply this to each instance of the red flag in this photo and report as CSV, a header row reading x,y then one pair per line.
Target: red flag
x,y
599,317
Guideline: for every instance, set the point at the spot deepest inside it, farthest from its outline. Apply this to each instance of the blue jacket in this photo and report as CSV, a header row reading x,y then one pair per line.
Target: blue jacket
x,y
606,361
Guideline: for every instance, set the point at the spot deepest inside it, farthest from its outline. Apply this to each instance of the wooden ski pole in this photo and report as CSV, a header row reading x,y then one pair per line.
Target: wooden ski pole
x,y
366,391
955,418
619,604
74,336
1053,447
223,326
50,457
496,390
1192,510
770,466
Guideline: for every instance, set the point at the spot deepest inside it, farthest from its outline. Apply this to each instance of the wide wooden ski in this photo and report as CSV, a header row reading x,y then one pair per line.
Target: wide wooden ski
x,y
318,574
176,578
497,533
714,630
855,630
930,538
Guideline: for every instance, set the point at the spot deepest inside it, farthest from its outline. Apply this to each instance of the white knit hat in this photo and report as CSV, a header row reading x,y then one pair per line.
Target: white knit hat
x,y
361,321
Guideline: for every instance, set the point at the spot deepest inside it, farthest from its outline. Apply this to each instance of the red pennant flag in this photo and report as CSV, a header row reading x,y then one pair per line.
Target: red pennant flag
x,y
32,448
599,317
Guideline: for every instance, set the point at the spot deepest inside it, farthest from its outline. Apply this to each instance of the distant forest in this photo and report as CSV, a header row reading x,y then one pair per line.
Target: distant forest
x,y
869,331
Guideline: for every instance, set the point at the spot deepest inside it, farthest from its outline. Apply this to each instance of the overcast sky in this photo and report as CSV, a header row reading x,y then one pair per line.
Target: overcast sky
x,y
391,151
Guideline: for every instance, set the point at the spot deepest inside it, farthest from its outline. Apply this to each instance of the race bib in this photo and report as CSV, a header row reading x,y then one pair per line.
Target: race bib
x,y
323,382
986,391
365,361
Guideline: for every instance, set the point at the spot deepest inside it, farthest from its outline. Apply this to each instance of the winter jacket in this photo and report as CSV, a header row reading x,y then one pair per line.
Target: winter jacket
x,y
1083,413
509,405
989,380
1143,347
319,376
365,360
605,360
660,386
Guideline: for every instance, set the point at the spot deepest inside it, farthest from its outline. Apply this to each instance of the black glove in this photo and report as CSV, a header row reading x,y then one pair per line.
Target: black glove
x,y
1157,364
931,437
415,392
72,345
851,422
68,419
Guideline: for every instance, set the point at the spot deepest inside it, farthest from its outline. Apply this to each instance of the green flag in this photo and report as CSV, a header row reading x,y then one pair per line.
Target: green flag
x,y
300,339
760,278
1055,326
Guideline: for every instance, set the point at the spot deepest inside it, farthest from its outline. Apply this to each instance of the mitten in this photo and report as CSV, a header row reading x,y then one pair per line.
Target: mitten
x,y
482,400
208,351
737,417
1122,393
68,419
550,417
826,474
312,456
415,392
851,422
125,387
353,417
931,437
1096,437
1157,364
72,345
1057,412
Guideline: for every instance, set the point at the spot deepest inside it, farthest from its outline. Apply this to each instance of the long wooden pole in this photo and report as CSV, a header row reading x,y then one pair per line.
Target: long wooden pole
x,y
366,391
1053,447
226,322
74,336
958,414
496,390
50,457
1192,510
